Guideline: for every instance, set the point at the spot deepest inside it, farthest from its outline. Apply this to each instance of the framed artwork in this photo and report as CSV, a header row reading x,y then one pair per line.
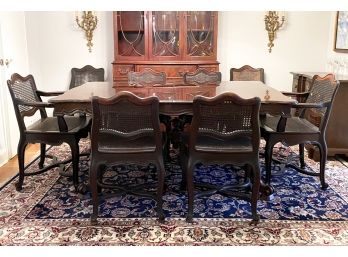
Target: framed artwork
x,y
341,37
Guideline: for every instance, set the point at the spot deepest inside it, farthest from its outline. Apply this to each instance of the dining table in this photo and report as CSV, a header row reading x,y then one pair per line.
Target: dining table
x,y
174,100
78,99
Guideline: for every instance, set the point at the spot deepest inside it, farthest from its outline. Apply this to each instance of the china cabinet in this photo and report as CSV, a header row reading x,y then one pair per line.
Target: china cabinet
x,y
170,41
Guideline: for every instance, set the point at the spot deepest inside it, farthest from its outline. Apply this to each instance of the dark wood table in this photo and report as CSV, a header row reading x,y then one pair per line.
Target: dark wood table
x,y
174,100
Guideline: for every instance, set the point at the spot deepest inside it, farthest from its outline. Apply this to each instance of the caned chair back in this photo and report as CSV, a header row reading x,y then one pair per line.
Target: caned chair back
x,y
24,89
126,123
202,77
226,118
322,90
247,73
86,74
147,77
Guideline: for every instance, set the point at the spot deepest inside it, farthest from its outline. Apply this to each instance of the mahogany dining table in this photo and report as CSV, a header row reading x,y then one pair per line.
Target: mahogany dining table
x,y
172,102
78,99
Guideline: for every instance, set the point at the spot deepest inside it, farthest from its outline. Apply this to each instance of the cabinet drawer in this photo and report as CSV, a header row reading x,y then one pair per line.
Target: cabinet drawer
x,y
189,93
166,93
172,71
210,68
120,71
139,91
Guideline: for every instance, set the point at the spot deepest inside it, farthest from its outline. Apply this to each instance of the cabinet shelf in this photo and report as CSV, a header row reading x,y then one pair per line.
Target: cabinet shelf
x,y
131,30
164,45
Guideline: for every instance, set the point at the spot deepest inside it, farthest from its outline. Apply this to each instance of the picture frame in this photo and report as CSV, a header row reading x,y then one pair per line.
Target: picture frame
x,y
341,32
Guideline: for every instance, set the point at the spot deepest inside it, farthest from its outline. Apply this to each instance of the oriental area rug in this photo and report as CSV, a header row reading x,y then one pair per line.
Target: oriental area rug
x,y
49,212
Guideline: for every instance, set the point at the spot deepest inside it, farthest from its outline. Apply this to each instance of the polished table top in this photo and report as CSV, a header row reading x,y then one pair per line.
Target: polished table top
x,y
245,89
78,99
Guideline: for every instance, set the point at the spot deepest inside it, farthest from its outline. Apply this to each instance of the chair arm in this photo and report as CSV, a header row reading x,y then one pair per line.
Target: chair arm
x,y
311,105
35,104
283,119
42,93
296,94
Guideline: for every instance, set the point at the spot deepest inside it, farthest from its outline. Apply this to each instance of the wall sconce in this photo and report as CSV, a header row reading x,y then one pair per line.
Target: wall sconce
x,y
88,23
272,24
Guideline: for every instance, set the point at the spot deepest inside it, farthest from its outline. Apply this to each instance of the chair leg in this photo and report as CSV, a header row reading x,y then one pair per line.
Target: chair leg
x,y
247,173
190,189
183,165
20,153
323,157
160,188
42,155
75,154
166,146
301,151
255,191
93,181
100,176
268,160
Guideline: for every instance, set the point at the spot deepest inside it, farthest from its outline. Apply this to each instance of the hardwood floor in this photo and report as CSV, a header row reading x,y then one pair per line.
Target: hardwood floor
x,y
10,169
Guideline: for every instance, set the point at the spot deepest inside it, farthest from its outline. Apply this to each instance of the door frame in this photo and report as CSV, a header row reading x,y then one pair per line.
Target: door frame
x,y
4,118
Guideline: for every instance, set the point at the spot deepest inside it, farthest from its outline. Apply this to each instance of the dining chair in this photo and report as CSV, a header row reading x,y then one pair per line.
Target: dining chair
x,y
202,77
224,130
125,130
247,73
309,127
27,101
150,77
146,77
86,74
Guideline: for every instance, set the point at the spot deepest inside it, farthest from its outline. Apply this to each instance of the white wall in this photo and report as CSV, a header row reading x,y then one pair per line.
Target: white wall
x,y
14,47
56,44
301,45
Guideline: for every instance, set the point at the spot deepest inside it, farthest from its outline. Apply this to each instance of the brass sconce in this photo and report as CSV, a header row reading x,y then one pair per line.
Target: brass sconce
x,y
88,23
272,24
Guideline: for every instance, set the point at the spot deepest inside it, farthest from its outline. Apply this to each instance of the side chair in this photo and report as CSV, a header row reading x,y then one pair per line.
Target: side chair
x,y
86,74
303,129
27,101
147,77
202,77
150,77
247,73
225,130
125,130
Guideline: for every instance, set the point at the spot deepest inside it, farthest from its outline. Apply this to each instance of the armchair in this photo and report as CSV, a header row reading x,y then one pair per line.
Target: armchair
x,y
304,128
27,101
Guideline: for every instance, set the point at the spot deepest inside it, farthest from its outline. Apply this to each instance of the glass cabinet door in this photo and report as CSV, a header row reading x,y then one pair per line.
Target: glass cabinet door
x,y
131,35
201,41
165,35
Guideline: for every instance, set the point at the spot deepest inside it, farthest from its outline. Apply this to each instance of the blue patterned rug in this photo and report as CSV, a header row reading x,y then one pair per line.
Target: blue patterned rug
x,y
296,197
